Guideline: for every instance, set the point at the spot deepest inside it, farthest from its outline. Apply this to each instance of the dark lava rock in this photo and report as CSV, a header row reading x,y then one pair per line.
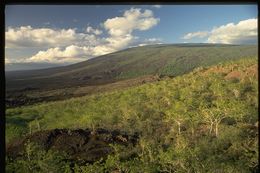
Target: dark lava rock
x,y
79,144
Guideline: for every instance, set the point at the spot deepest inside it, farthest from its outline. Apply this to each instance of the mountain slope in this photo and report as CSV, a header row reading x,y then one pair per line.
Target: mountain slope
x,y
169,60
203,121
239,75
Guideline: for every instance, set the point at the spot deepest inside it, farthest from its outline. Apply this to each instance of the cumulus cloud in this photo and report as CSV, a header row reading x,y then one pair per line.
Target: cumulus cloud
x,y
132,19
117,43
102,50
244,32
26,36
67,45
120,29
199,34
57,55
93,31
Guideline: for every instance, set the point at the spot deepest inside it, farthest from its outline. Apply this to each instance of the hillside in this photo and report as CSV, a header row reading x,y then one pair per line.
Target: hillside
x,y
152,61
203,121
148,60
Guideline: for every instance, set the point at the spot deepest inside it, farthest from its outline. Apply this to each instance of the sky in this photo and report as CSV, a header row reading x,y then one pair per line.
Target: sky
x,y
67,34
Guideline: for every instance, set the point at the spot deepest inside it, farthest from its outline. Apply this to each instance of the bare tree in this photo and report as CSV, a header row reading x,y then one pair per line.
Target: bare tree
x,y
214,116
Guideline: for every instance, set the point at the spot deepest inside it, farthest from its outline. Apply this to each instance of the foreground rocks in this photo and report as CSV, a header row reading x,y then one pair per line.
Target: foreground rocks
x,y
83,144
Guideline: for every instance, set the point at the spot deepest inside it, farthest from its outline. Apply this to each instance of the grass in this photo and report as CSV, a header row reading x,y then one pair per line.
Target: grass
x,y
173,117
107,107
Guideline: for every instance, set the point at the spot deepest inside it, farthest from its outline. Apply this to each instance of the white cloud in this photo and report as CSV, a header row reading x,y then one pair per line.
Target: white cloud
x,y
243,32
102,50
200,34
67,45
7,60
69,54
120,28
149,41
153,40
132,19
121,42
26,36
93,31
57,55
157,6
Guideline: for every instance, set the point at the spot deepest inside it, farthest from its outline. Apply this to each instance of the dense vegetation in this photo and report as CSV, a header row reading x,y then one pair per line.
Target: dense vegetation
x,y
203,121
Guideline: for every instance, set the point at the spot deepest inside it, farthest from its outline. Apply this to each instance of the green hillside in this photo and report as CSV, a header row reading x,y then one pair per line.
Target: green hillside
x,y
170,60
153,62
203,121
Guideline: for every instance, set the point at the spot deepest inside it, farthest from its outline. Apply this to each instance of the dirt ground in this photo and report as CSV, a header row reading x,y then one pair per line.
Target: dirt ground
x,y
30,96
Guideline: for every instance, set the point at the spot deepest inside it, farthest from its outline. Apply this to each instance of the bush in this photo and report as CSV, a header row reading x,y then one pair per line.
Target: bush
x,y
36,160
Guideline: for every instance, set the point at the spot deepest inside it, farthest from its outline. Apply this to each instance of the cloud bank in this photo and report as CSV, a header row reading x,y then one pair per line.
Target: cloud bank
x,y
68,45
200,34
244,32
26,36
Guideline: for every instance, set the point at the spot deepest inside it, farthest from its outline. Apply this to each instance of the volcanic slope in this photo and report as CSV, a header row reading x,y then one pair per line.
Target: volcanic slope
x,y
169,60
172,117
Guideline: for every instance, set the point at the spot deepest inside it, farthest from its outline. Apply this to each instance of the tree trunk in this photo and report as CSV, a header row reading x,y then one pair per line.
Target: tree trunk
x,y
211,127
216,129
93,129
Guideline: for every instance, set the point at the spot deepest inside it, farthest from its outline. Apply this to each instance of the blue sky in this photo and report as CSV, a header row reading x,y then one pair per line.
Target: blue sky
x,y
35,32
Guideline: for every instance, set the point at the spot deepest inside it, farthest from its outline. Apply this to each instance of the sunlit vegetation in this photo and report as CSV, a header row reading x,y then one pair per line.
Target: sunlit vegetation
x,y
203,121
